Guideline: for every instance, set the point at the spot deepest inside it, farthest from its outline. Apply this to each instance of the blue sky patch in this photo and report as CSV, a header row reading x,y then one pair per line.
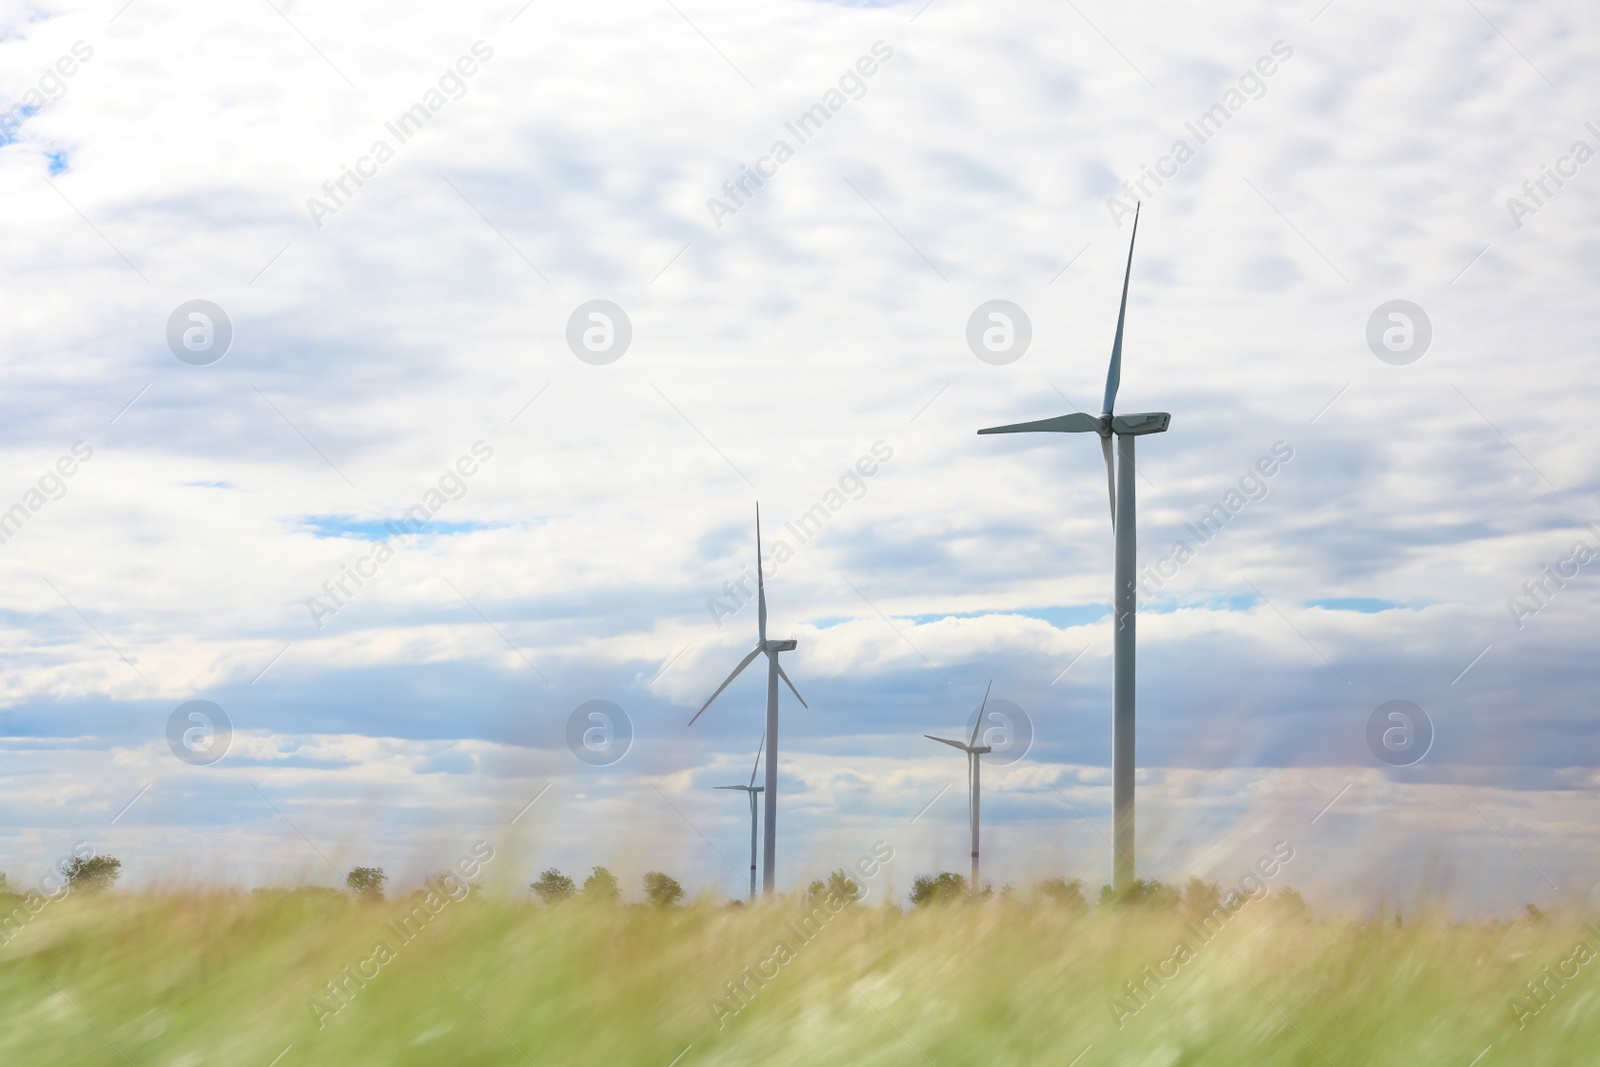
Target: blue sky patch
x,y
1241,602
376,530
1363,604
1059,617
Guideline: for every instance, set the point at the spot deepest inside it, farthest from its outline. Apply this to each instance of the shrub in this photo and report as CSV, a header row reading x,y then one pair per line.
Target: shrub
x,y
553,887
1201,898
1151,894
941,888
93,874
1289,902
839,884
303,892
1062,892
601,887
449,884
662,890
366,881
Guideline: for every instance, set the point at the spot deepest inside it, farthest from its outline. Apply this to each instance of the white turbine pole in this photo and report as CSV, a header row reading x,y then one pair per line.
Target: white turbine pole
x,y
973,757
769,845
752,793
1122,691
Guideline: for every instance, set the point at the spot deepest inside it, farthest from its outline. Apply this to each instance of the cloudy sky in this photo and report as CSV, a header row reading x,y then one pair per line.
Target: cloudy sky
x,y
412,335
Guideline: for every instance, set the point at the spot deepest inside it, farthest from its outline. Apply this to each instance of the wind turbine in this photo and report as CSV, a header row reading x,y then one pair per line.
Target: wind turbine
x,y
752,789
1119,480
973,751
774,672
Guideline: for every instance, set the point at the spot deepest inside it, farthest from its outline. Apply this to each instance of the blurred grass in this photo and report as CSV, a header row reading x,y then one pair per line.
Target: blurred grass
x,y
185,979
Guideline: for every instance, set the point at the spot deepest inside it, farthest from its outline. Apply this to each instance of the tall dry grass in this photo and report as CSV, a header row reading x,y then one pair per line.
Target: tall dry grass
x,y
185,979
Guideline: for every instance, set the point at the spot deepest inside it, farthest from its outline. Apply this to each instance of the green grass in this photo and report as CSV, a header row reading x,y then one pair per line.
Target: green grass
x,y
181,980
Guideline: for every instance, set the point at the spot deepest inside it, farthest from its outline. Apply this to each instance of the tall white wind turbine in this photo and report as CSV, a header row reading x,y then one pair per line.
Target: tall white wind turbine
x,y
751,789
774,672
973,751
1119,479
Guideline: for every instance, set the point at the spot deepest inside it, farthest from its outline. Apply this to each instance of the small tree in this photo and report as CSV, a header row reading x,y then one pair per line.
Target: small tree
x,y
1153,894
366,882
848,889
553,887
839,884
1062,892
92,874
448,884
662,890
1289,902
1201,898
601,887
941,888
5,887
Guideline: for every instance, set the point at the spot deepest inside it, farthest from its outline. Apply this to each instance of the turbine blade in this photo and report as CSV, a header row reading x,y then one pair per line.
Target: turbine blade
x,y
792,689
946,741
730,787
1111,479
761,585
979,724
1077,422
736,671
757,764
1114,374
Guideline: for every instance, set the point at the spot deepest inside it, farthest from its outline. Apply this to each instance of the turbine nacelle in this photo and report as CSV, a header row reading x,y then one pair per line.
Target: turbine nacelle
x,y
1135,425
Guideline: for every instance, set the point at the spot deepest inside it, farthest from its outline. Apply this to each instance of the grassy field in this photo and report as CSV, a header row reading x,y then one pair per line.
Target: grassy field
x,y
180,980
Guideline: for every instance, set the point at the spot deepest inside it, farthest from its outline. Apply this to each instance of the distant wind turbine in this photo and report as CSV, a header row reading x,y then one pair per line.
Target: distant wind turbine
x,y
1119,480
774,672
752,789
973,751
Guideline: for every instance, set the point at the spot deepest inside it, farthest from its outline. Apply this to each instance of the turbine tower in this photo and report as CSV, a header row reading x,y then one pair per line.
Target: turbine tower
x,y
752,789
973,751
774,672
1119,480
